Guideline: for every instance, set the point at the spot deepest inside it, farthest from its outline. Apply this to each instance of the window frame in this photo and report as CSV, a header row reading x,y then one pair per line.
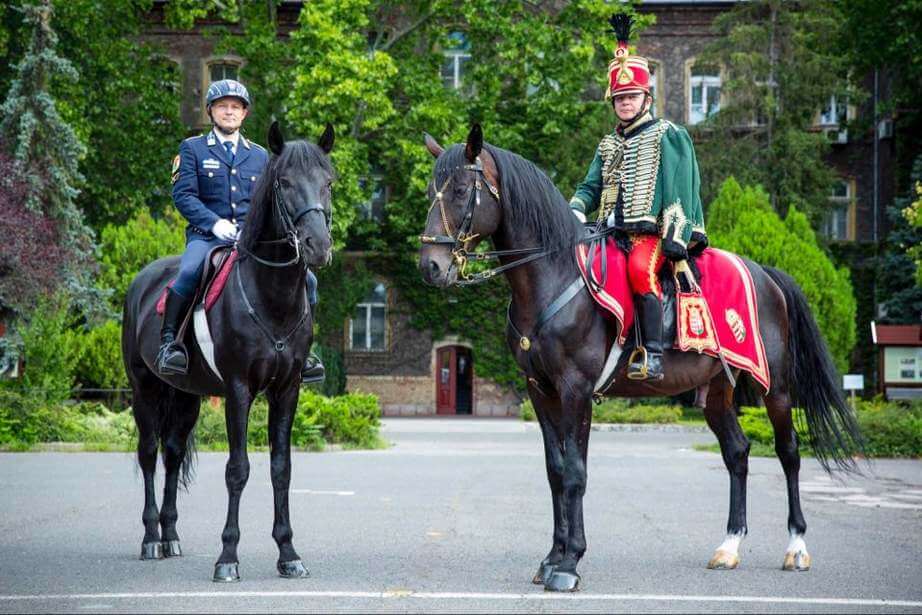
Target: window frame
x,y
460,50
846,204
657,80
368,306
689,86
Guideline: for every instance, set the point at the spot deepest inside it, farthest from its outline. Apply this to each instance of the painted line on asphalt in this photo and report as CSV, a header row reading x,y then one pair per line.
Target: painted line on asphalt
x,y
409,594
321,492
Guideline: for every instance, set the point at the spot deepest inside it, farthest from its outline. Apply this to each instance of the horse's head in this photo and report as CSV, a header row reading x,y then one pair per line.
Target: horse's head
x,y
464,192
299,183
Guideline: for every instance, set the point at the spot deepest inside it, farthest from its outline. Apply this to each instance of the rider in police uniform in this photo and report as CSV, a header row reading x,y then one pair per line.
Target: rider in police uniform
x,y
644,180
213,177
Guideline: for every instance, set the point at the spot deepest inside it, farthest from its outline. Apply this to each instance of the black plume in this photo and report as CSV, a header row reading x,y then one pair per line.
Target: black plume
x,y
621,26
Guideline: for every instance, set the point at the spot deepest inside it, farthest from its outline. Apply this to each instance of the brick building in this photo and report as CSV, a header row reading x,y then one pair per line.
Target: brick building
x,y
414,374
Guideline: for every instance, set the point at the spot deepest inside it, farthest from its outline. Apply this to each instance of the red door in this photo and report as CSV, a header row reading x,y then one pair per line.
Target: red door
x,y
445,376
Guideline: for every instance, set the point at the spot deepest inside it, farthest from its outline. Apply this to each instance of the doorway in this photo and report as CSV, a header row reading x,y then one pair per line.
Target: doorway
x,y
454,381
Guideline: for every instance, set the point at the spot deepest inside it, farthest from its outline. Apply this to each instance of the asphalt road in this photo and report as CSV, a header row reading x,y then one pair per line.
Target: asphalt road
x,y
455,516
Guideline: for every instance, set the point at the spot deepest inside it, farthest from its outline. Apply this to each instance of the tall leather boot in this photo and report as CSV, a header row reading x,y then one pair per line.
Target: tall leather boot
x,y
651,330
173,358
313,370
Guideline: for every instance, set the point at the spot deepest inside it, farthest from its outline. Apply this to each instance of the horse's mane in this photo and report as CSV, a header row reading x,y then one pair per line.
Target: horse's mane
x,y
529,198
303,156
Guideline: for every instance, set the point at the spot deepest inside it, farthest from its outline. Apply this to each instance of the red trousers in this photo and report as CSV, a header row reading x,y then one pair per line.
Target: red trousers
x,y
643,265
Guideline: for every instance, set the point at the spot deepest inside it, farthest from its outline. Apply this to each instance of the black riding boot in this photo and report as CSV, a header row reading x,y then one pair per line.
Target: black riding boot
x,y
172,358
313,371
650,318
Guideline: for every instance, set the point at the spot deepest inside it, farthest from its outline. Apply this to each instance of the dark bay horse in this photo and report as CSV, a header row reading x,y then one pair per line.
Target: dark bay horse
x,y
480,191
262,330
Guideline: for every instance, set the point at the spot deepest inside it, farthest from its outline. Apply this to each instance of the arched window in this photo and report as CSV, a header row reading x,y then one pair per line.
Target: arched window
x,y
216,69
368,325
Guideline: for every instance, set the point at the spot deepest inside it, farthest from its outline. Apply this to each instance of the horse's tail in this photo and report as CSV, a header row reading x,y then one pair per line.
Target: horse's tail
x,y
831,423
170,405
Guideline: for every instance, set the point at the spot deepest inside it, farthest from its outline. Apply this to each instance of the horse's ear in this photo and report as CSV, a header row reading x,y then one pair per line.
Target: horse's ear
x,y
432,145
326,139
474,143
276,140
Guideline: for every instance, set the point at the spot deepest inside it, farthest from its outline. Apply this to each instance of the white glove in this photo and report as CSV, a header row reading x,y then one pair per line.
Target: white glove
x,y
225,230
579,215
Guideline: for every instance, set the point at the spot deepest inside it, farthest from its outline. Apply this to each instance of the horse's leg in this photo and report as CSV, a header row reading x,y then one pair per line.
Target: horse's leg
x,y
183,413
720,414
145,408
282,408
778,404
236,473
576,418
545,408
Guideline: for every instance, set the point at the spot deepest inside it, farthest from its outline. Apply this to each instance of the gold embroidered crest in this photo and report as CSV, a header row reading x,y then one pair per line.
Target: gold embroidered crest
x,y
174,173
736,324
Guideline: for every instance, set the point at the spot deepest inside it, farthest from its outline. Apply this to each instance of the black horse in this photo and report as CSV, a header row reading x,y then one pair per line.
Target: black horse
x,y
484,191
262,331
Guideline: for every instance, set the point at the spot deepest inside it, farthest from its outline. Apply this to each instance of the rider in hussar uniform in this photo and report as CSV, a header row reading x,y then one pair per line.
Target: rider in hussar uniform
x,y
644,182
213,178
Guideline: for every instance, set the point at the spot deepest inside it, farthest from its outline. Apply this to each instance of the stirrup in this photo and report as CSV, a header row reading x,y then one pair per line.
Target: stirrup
x,y
166,368
639,374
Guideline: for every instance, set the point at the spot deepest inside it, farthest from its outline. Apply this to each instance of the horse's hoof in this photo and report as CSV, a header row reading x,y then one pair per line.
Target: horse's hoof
x,y
151,550
562,581
796,562
544,572
226,572
724,560
171,548
293,570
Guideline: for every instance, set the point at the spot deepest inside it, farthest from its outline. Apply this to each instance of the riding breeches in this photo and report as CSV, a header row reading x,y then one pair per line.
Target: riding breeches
x,y
644,263
193,263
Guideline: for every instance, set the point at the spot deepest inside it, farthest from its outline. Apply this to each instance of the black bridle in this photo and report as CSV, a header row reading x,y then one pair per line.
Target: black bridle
x,y
292,237
459,241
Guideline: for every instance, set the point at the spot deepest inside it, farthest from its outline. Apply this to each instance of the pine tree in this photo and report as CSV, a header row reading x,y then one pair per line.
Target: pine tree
x,y
45,149
898,289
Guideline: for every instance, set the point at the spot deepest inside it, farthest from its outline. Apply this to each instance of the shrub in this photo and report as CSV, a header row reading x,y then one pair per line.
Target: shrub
x,y
100,363
620,411
352,419
891,429
127,248
51,349
743,221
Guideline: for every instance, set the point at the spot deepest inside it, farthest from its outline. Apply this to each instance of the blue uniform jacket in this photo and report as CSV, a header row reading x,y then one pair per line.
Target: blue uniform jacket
x,y
207,187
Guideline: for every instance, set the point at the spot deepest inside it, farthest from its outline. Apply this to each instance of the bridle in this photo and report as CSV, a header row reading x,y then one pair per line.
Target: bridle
x,y
292,237
459,241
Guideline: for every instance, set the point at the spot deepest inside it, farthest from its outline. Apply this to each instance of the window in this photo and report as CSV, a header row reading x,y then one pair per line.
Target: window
x,y
373,208
838,224
221,70
835,113
704,93
457,55
367,327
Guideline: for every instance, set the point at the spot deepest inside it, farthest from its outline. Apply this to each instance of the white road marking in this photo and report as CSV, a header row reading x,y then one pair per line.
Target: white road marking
x,y
401,593
321,492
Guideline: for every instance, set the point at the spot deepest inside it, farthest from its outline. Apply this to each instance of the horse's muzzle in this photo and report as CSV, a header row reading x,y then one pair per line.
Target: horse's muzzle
x,y
438,275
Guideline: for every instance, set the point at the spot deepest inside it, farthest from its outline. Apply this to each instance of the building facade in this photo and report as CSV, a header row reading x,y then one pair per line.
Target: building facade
x,y
414,374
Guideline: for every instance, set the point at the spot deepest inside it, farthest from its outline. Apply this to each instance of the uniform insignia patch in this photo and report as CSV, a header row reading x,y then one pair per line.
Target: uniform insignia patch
x,y
211,163
174,173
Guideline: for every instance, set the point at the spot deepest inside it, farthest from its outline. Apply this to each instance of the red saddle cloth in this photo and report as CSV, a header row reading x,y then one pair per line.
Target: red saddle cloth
x,y
727,289
214,288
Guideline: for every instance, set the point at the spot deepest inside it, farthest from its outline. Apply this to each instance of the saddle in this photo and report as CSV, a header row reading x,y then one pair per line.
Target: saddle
x,y
218,266
719,318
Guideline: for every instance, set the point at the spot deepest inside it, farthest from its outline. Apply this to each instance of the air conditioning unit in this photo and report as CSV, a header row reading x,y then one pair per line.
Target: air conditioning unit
x,y
885,129
837,135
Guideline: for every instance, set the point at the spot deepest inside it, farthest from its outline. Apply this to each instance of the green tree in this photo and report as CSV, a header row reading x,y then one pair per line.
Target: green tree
x,y
743,221
779,69
899,288
45,148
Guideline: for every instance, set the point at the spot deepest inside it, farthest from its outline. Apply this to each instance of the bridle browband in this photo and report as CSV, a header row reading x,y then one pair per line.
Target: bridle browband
x,y
459,241
291,237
